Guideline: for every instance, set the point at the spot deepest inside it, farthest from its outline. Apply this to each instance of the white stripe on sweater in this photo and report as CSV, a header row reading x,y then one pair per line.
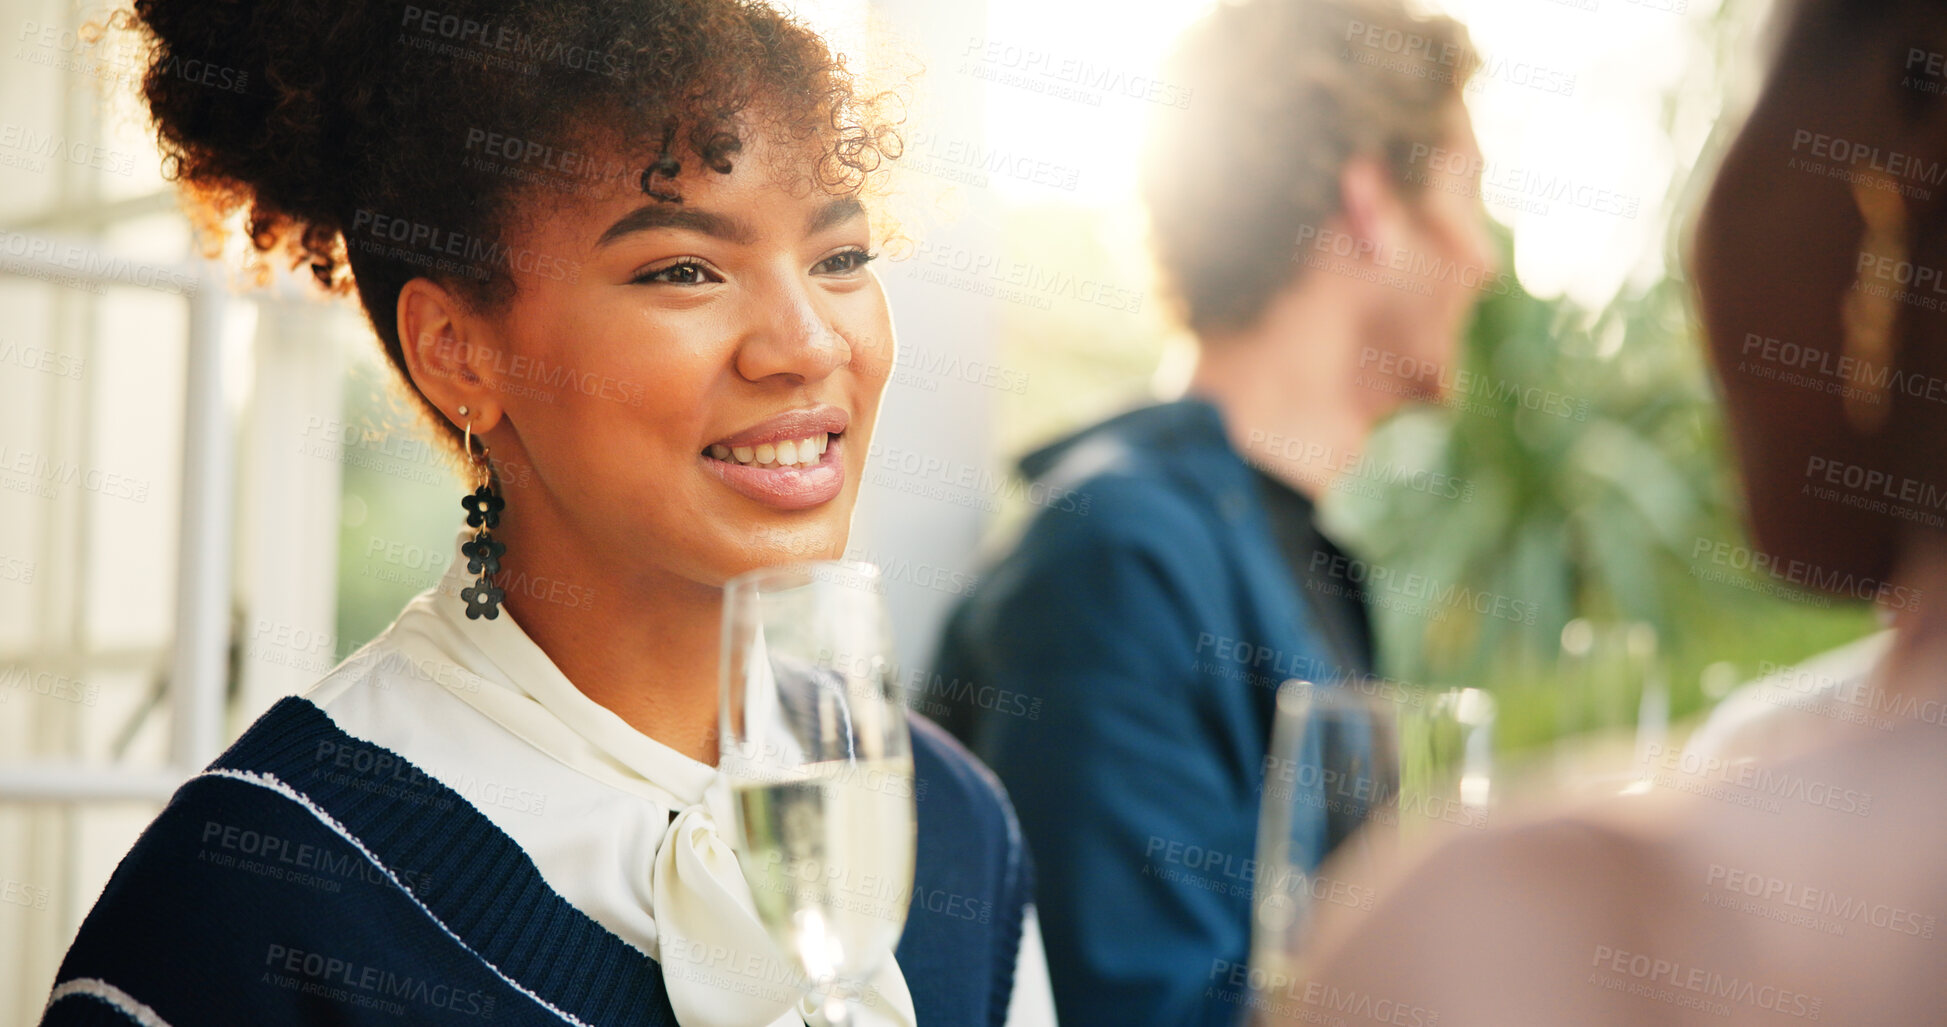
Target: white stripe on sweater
x,y
271,782
96,988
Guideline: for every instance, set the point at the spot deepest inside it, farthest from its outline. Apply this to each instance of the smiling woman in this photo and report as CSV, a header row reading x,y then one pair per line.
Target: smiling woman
x,y
745,311
660,204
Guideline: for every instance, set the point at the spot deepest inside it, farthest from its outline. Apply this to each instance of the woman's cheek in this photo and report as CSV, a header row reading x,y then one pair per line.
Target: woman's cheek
x,y
872,326
873,353
874,373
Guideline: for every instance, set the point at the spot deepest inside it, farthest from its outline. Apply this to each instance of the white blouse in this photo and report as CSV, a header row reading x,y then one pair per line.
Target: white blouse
x,y
628,830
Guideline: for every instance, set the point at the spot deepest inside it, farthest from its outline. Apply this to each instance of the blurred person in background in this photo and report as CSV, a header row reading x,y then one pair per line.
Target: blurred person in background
x,y
1316,217
507,806
1785,887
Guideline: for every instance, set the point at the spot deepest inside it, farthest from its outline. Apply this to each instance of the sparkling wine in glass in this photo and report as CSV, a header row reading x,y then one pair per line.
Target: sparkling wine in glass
x,y
1355,773
815,745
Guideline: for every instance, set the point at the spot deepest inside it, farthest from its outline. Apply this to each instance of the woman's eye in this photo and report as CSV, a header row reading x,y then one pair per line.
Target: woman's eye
x,y
846,262
683,272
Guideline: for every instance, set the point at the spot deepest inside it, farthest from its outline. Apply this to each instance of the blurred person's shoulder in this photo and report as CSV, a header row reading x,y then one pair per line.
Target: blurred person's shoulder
x,y
1123,539
1159,475
1803,889
1817,874
1800,707
1845,854
1499,925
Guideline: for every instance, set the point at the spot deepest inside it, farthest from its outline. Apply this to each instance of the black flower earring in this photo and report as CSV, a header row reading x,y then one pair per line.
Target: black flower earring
x,y
484,552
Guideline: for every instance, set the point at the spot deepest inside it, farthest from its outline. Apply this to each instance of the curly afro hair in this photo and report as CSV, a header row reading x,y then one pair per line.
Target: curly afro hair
x,y
475,116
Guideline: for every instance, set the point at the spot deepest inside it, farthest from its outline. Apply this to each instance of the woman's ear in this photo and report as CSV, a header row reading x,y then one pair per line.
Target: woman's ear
x,y
448,352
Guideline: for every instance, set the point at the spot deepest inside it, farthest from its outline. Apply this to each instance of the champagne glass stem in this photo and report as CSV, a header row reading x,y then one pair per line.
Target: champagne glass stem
x,y
837,1009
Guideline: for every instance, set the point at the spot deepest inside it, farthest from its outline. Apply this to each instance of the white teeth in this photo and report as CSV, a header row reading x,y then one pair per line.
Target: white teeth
x,y
803,452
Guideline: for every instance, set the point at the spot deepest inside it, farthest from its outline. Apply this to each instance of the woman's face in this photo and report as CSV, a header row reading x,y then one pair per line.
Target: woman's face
x,y
694,384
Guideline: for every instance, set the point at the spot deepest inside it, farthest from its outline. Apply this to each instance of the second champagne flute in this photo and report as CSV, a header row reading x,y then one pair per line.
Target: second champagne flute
x,y
1365,769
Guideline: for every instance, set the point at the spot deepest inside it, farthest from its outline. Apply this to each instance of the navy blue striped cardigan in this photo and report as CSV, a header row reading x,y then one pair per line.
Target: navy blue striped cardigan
x,y
265,894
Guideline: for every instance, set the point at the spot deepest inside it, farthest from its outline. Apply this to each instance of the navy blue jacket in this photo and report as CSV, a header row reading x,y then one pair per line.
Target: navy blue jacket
x,y
1118,669
354,906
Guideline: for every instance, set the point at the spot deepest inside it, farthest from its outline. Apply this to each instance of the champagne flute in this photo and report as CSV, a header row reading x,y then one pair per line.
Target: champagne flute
x,y
1612,708
814,742
1355,770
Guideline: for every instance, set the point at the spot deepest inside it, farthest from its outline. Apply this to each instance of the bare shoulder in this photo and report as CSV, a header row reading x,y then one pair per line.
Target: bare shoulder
x,y
1741,891
1508,925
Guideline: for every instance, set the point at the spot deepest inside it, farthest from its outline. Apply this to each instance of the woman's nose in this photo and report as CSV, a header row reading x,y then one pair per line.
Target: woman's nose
x,y
791,336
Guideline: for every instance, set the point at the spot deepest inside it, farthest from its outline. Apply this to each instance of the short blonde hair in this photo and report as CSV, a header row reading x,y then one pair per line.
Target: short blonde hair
x,y
1282,94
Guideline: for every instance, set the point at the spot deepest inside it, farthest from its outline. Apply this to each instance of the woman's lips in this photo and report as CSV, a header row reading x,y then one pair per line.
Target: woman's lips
x,y
786,488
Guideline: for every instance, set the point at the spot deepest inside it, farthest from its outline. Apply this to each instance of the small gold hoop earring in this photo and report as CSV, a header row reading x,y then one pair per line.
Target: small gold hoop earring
x,y
472,460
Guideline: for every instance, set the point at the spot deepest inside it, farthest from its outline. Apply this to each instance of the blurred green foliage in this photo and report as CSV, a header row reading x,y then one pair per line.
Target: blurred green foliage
x,y
1600,490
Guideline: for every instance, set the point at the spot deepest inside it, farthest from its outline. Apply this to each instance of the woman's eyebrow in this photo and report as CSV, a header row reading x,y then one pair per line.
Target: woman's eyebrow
x,y
655,216
833,214
720,226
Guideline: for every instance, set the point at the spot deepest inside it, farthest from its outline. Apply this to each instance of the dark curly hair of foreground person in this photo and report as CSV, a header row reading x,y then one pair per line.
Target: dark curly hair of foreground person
x,y
475,116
